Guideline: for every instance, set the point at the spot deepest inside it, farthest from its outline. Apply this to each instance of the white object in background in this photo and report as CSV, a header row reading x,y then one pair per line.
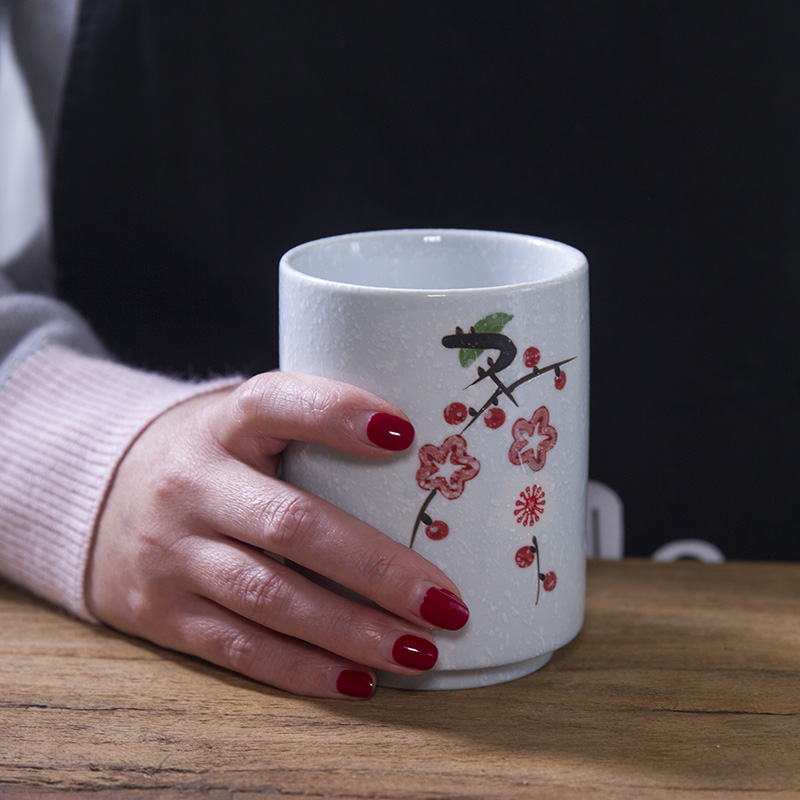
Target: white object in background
x,y
493,490
694,549
605,525
23,194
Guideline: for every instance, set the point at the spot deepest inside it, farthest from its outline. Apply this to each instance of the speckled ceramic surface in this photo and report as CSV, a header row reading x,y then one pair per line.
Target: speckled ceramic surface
x,y
482,338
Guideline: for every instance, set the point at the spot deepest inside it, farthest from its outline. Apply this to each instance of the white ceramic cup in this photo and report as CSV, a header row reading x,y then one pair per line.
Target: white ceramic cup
x,y
482,338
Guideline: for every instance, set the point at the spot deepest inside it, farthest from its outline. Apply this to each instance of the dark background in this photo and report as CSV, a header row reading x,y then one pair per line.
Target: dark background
x,y
201,140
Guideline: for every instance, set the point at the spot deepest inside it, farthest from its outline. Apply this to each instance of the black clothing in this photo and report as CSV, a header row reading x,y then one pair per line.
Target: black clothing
x,y
201,140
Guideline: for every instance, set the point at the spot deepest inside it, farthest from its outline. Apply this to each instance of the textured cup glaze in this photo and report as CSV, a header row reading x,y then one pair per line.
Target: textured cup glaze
x,y
482,338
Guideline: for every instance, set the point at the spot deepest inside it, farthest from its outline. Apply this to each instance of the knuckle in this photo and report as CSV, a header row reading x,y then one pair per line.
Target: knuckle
x,y
140,608
240,651
287,521
383,567
259,589
170,486
173,480
175,496
315,397
354,628
269,393
248,399
319,403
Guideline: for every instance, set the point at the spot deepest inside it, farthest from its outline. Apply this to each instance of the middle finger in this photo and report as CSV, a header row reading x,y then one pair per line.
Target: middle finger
x,y
274,516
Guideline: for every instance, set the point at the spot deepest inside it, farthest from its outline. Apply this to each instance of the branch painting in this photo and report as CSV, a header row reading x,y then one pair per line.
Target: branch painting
x,y
446,470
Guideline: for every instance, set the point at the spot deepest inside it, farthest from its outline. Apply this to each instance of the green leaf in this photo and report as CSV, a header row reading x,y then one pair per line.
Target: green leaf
x,y
494,323
466,357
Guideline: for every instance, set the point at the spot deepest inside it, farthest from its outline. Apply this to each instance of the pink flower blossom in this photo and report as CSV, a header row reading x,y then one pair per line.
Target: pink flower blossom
x,y
533,439
432,459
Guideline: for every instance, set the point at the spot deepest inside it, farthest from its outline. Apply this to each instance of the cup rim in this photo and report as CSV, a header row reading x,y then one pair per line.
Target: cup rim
x,y
579,267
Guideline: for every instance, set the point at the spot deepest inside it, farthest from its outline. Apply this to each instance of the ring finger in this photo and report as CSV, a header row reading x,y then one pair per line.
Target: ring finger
x,y
273,595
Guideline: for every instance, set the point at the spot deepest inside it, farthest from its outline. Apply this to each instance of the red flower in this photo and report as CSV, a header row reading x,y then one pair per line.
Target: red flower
x,y
530,506
533,439
432,459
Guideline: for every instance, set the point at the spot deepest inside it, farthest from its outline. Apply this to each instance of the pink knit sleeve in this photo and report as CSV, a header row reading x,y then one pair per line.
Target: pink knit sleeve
x,y
66,421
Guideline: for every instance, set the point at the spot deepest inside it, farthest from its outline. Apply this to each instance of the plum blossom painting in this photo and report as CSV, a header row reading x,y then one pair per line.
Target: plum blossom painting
x,y
446,470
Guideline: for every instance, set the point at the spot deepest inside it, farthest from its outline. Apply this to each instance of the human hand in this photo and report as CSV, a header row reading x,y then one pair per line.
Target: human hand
x,y
178,557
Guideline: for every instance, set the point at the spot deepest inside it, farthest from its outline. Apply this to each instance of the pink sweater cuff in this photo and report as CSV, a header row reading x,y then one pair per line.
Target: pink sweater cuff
x,y
66,421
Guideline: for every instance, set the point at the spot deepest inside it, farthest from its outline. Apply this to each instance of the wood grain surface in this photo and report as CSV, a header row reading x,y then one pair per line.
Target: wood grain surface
x,y
685,682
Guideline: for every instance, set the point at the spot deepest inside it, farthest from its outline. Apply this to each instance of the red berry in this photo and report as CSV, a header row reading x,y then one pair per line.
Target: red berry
x,y
494,418
549,582
437,530
531,357
455,413
524,556
561,380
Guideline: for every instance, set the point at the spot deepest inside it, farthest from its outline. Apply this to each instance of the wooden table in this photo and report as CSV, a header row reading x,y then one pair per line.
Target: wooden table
x,y
685,682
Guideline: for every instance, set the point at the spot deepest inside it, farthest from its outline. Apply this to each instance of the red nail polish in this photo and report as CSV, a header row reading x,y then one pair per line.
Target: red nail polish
x,y
353,683
390,432
443,609
414,652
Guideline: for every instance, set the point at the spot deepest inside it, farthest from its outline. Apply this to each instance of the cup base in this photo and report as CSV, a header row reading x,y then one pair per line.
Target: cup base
x,y
463,678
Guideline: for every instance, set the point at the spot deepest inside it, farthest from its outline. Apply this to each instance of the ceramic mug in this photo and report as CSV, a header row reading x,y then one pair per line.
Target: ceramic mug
x,y
482,338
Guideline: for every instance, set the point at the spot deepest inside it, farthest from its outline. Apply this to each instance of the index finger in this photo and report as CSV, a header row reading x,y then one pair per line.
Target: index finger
x,y
263,414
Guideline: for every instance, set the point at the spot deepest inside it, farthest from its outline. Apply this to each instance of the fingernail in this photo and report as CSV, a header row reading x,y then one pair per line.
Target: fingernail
x,y
414,652
443,609
390,432
353,683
